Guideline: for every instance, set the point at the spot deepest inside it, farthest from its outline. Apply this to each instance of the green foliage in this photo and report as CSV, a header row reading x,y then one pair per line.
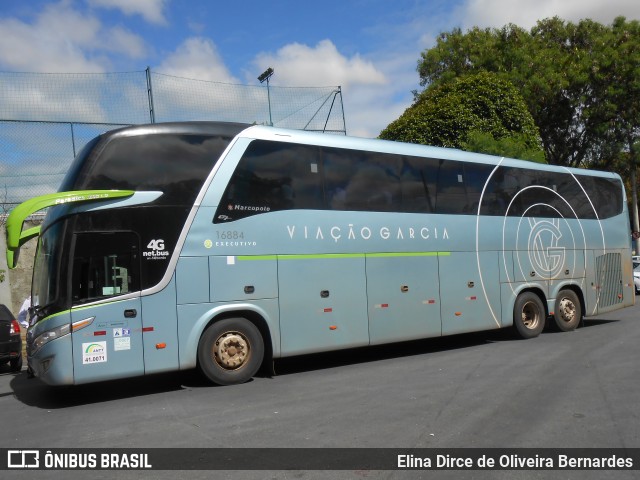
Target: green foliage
x,y
513,146
581,82
447,113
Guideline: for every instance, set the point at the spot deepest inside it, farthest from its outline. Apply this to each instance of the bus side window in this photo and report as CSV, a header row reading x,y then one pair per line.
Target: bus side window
x,y
418,184
272,176
605,197
362,181
460,186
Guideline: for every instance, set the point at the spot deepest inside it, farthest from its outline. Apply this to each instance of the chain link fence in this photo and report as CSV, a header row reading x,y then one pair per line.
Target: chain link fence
x,y
45,119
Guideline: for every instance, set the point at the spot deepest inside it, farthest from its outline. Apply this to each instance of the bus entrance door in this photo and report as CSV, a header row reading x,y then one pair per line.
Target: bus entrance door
x,y
107,316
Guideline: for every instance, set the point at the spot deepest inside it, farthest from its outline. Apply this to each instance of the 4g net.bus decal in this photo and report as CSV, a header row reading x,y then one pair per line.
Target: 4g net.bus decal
x,y
156,250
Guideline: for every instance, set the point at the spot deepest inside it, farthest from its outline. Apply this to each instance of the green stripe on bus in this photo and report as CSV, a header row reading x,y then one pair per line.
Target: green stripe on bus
x,y
321,256
257,257
341,255
409,254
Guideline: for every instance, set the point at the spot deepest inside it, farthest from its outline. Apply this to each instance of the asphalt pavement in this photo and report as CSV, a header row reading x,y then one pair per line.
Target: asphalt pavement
x,y
484,390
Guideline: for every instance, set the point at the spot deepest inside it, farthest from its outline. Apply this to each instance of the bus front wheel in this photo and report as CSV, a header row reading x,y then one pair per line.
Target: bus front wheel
x,y
528,315
568,311
230,351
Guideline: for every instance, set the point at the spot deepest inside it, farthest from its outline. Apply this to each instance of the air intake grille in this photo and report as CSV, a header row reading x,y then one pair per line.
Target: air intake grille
x,y
609,271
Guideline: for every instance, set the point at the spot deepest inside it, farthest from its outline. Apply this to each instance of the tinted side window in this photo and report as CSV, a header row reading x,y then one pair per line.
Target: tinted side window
x,y
362,181
460,185
418,181
500,194
273,176
534,193
606,195
543,195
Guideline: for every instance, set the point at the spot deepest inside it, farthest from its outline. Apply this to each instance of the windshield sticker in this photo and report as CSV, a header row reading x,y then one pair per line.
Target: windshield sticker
x,y
94,352
121,339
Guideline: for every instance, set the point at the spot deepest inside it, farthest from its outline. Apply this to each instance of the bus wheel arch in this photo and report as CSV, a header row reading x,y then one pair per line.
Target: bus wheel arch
x,y
231,349
568,309
529,314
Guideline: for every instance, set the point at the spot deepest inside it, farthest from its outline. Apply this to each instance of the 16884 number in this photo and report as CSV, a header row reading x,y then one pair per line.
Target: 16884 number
x,y
230,235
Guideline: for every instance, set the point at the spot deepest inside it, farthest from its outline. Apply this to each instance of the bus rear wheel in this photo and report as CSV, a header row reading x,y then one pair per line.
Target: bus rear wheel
x,y
230,351
568,311
528,315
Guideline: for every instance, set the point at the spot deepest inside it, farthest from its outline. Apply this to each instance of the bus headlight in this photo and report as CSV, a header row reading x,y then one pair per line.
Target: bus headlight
x,y
45,337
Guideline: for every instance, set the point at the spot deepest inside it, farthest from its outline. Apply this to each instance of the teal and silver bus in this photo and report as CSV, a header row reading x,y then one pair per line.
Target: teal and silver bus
x,y
224,246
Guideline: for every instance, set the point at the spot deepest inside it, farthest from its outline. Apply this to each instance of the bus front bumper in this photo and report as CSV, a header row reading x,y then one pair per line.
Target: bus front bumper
x,y
53,363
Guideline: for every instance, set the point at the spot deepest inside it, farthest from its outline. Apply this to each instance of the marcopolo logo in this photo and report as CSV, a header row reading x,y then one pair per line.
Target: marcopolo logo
x,y
248,208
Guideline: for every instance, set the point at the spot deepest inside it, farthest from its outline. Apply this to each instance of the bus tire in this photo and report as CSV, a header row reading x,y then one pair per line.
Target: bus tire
x,y
568,311
230,351
529,315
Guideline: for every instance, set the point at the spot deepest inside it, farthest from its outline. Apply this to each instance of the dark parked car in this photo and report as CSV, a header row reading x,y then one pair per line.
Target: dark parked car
x,y
10,341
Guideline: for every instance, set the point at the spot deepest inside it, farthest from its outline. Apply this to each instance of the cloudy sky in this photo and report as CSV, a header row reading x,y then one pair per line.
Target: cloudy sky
x,y
368,47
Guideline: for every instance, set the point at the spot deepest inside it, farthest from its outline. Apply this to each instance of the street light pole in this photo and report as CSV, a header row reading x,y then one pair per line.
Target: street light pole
x,y
265,76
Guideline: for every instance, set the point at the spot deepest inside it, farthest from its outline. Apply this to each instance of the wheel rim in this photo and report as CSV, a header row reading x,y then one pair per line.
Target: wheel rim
x,y
567,311
530,316
231,350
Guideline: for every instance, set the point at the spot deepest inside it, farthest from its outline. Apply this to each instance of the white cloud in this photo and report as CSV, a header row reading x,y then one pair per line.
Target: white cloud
x,y
122,40
366,89
51,44
367,94
61,39
197,58
322,65
370,108
525,13
151,10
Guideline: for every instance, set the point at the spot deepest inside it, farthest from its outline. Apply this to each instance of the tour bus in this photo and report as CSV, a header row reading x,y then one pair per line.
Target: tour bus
x,y
225,246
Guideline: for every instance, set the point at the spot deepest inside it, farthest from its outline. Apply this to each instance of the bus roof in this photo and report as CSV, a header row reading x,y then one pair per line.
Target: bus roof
x,y
340,141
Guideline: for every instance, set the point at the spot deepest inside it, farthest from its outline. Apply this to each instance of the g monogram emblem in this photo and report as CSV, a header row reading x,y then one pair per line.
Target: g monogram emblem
x,y
547,257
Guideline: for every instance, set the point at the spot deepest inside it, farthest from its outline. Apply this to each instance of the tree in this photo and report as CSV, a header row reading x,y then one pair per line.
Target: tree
x,y
622,69
451,114
558,67
581,83
513,146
